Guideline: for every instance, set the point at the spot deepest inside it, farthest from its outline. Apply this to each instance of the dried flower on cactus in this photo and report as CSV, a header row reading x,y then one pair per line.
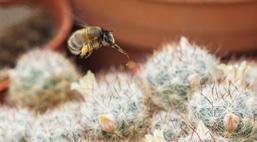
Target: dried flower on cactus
x,y
41,79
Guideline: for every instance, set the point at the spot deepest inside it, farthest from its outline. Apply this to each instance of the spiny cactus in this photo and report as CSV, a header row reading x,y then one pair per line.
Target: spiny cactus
x,y
85,85
41,79
60,125
93,139
235,73
242,73
202,134
252,76
115,109
156,136
223,109
14,124
170,124
176,71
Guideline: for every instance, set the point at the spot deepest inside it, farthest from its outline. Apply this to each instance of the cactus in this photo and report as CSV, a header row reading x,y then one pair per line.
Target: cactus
x,y
170,124
223,109
252,76
241,73
85,85
157,136
235,73
41,79
218,102
14,124
115,109
202,134
60,125
173,73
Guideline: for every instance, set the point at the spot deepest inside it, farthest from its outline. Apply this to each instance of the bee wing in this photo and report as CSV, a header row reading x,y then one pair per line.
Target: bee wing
x,y
79,22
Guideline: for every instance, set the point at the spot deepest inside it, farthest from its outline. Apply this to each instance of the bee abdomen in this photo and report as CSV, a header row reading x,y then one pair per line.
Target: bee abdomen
x,y
75,42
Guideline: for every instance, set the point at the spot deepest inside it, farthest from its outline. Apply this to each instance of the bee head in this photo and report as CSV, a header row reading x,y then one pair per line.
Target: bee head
x,y
107,38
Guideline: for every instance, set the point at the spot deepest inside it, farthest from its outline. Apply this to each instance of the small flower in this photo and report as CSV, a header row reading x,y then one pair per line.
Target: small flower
x,y
107,123
231,122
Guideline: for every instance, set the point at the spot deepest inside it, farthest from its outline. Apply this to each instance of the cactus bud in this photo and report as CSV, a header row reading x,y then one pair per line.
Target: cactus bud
x,y
107,123
231,122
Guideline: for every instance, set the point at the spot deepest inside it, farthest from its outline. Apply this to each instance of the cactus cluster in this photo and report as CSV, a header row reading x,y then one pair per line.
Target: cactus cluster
x,y
170,125
14,124
115,109
173,73
182,93
223,109
61,125
41,79
202,134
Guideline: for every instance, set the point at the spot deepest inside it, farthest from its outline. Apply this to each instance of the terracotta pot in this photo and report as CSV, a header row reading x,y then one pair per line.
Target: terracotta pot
x,y
223,25
61,13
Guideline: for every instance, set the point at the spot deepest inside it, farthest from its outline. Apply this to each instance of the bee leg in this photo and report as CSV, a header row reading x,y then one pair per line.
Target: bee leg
x,y
86,51
130,64
115,46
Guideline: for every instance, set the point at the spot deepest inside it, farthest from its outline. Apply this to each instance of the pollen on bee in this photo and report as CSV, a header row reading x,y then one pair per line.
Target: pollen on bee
x,y
84,51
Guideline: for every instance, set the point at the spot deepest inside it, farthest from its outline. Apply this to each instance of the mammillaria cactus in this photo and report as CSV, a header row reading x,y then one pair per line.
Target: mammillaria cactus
x,y
41,79
60,125
235,73
174,72
115,109
243,73
223,109
85,85
202,134
14,124
219,100
171,125
156,136
252,76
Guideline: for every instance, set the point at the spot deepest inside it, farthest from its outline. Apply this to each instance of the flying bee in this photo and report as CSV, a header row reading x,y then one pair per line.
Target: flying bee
x,y
84,41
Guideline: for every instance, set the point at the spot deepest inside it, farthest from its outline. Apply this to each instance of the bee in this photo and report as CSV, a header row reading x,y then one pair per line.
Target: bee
x,y
84,41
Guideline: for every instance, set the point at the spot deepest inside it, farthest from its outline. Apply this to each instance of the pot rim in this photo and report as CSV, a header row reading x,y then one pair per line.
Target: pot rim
x,y
4,85
62,31
199,1
64,28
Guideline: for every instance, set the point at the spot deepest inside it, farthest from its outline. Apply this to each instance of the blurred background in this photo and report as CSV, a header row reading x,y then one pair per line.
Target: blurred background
x,y
228,28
